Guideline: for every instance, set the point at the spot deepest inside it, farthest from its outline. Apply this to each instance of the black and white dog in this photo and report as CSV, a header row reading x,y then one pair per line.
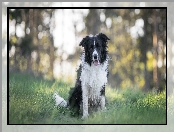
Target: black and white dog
x,y
89,91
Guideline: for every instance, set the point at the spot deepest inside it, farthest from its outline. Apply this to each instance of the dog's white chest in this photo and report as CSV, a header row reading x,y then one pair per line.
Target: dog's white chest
x,y
94,77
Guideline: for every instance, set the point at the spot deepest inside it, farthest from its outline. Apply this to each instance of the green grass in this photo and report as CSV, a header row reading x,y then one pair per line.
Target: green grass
x,y
31,102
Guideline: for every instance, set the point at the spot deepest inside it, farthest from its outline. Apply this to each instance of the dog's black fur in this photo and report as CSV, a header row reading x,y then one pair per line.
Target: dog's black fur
x,y
75,94
101,46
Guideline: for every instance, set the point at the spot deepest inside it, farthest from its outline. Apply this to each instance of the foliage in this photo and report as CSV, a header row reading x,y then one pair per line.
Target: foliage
x,y
137,58
31,102
36,42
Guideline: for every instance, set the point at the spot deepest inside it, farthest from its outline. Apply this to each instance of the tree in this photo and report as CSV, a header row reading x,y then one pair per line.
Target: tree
x,y
154,32
37,39
92,22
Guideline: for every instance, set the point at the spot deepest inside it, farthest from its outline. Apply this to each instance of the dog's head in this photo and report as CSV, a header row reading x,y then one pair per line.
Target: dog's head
x,y
95,48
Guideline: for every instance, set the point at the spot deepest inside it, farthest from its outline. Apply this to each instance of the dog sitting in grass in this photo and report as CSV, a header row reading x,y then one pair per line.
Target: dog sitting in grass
x,y
92,75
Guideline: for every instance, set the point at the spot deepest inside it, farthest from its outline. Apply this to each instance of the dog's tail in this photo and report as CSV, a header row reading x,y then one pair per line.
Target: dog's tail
x,y
59,100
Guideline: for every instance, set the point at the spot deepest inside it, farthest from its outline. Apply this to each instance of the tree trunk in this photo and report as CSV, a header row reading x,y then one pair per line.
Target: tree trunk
x,y
147,79
155,53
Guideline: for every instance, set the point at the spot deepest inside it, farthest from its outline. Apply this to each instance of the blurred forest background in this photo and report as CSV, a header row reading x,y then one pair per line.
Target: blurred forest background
x,y
44,43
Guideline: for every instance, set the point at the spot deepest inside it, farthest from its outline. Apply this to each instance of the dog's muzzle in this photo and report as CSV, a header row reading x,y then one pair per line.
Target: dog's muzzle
x,y
96,60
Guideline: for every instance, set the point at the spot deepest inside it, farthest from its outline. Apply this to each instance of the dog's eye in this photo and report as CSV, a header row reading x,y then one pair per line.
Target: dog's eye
x,y
98,46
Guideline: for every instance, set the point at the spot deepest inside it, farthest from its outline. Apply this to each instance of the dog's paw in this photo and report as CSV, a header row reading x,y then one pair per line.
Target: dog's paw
x,y
103,108
84,117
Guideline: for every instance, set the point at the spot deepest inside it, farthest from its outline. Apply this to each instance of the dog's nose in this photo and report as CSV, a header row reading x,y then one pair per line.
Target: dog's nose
x,y
95,56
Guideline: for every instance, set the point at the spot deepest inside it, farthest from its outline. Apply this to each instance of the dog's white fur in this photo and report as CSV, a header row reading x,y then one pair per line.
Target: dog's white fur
x,y
93,78
59,100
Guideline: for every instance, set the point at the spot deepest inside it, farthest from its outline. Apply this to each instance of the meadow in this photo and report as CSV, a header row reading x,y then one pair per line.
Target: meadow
x,y
31,102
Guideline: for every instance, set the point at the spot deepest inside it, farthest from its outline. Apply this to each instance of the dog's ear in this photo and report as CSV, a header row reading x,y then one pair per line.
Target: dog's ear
x,y
84,41
103,37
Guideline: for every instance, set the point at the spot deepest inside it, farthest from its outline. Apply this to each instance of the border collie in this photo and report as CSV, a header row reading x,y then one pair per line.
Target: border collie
x,y
89,92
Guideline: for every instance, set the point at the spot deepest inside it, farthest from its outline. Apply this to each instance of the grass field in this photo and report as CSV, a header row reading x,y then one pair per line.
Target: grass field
x,y
31,102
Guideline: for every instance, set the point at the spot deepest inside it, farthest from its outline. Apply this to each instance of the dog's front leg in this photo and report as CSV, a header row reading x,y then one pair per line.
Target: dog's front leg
x,y
85,101
103,102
